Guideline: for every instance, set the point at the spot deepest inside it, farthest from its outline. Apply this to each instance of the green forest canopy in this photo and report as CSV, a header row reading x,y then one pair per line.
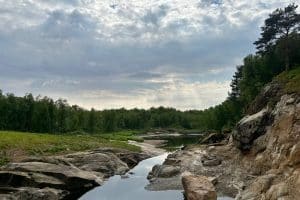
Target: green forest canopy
x,y
278,49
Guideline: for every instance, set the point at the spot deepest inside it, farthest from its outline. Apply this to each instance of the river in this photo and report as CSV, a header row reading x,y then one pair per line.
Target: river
x,y
133,187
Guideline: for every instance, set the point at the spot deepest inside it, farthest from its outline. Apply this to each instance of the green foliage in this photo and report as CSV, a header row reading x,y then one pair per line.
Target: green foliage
x,y
122,136
4,159
277,31
291,80
50,144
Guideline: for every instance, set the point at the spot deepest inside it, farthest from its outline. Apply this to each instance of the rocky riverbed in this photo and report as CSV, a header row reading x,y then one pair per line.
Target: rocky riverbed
x,y
260,161
64,177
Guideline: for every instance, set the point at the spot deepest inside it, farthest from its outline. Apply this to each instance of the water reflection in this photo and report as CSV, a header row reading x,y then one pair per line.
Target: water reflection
x,y
132,188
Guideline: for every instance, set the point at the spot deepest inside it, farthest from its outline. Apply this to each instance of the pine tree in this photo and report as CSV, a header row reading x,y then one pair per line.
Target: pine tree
x,y
277,29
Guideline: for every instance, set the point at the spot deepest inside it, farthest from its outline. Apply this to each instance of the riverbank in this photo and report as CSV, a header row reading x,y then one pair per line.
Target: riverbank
x,y
66,176
47,166
16,146
260,160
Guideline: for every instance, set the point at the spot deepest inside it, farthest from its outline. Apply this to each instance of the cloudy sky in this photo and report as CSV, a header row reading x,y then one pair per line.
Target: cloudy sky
x,y
133,53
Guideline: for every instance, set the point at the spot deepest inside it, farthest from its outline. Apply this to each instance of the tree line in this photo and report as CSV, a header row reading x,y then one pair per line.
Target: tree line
x,y
278,49
42,114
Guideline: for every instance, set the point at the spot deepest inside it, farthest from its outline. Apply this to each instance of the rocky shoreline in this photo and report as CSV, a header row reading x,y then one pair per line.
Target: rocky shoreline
x,y
64,177
260,161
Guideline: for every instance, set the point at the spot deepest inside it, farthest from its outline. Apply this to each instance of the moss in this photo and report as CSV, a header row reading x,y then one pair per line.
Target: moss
x,y
290,80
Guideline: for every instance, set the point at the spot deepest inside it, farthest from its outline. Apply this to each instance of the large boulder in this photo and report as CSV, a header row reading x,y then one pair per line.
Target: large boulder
x,y
268,96
164,171
198,188
250,128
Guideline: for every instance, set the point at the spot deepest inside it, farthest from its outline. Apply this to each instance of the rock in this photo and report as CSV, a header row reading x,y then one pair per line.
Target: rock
x,y
211,162
250,128
270,95
38,174
164,171
198,188
132,159
172,161
212,138
260,185
67,176
105,162
19,179
32,194
294,157
277,191
168,171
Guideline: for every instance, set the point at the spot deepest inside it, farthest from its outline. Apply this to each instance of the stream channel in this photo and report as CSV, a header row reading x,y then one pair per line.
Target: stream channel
x,y
133,186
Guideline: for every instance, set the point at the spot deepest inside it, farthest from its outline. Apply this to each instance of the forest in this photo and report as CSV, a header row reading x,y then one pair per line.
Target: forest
x,y
278,50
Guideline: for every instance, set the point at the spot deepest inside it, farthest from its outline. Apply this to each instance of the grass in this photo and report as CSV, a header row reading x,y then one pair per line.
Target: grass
x,y
14,145
291,80
122,136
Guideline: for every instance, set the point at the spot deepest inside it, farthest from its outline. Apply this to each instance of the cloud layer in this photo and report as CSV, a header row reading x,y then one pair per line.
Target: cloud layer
x,y
135,53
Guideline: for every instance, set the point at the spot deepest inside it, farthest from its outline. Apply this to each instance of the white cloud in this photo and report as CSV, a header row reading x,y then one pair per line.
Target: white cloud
x,y
169,49
181,95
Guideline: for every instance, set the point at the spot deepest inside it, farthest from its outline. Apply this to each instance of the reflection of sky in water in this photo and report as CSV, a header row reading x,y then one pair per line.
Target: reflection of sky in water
x,y
132,188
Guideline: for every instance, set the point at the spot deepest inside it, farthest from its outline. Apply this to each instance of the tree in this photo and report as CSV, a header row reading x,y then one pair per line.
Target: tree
x,y
92,121
278,28
62,115
235,89
109,120
29,111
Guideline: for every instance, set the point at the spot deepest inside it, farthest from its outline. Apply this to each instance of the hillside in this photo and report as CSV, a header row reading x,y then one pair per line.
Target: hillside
x,y
261,158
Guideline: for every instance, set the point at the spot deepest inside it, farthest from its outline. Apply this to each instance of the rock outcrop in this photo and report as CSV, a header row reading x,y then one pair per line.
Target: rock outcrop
x,y
213,138
275,156
198,188
261,161
250,128
164,171
64,177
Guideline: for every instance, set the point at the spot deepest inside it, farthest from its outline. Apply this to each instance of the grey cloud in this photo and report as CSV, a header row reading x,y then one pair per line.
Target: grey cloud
x,y
63,25
125,51
154,16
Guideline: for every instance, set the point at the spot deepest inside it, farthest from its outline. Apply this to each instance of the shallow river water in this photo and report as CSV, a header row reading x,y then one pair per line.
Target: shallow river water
x,y
133,188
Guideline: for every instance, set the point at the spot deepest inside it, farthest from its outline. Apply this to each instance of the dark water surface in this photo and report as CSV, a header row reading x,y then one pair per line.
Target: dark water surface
x,y
133,187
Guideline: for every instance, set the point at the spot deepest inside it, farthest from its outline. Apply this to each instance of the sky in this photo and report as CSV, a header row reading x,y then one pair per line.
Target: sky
x,y
135,53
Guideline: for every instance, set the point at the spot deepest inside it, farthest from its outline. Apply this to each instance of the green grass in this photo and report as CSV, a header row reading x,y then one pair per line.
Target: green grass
x,y
291,80
18,144
122,136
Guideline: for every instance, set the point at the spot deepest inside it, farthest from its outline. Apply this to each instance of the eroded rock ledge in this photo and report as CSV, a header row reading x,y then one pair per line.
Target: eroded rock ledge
x,y
260,162
64,177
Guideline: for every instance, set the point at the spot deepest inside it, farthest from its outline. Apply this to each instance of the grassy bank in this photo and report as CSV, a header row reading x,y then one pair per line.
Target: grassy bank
x,y
17,145
291,80
122,136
